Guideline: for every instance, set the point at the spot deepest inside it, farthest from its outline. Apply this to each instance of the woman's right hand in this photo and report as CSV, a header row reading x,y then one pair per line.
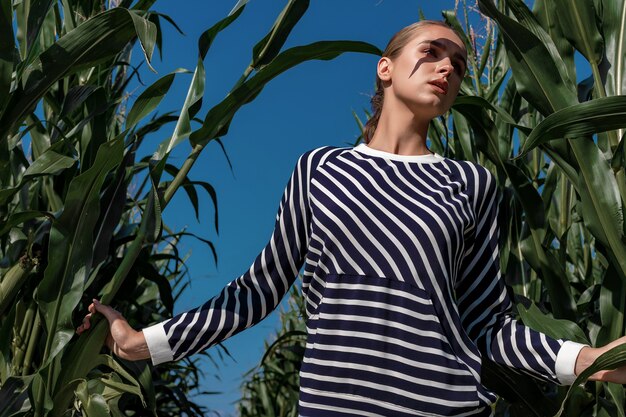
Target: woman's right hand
x,y
122,340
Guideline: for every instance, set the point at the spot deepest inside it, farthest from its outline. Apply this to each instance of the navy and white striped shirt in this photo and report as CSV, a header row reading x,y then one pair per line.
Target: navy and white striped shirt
x,y
402,283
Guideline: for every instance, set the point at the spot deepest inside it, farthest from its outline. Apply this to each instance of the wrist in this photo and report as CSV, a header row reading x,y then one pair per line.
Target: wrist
x,y
586,357
138,348
583,360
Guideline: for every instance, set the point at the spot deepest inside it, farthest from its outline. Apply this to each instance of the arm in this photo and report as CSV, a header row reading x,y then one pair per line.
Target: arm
x,y
485,306
253,295
242,303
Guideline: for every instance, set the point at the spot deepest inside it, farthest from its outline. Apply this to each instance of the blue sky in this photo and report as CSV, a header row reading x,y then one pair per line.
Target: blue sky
x,y
309,106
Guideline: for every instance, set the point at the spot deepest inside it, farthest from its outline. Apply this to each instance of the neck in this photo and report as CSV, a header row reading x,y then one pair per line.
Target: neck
x,y
400,132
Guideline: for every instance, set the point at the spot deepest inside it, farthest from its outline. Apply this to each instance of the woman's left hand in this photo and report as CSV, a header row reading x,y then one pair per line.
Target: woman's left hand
x,y
588,355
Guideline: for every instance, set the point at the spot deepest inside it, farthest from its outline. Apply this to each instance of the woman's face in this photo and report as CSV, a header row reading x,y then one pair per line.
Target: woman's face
x,y
427,74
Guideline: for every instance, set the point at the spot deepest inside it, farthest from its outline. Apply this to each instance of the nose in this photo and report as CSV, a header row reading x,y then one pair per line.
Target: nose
x,y
445,68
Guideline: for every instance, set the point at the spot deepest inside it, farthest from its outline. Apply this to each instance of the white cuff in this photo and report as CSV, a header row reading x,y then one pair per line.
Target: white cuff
x,y
158,345
566,362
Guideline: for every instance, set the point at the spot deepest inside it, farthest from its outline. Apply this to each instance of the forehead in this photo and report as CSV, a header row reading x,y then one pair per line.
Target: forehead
x,y
442,37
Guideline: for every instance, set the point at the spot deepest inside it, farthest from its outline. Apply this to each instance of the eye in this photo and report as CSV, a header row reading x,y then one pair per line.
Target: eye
x,y
429,51
459,68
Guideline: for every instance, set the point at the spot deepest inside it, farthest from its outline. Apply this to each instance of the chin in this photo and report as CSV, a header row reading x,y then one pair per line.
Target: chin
x,y
428,106
431,110
436,106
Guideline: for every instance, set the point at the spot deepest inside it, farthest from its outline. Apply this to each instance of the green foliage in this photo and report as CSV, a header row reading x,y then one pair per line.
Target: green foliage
x,y
80,212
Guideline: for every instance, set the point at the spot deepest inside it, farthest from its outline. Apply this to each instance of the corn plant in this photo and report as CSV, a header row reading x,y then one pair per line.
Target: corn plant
x,y
80,211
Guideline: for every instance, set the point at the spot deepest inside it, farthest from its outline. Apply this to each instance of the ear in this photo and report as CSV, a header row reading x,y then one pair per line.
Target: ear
x,y
384,68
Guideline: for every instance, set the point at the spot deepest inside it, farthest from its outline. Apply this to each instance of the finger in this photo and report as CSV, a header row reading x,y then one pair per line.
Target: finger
x,y
87,318
86,323
107,311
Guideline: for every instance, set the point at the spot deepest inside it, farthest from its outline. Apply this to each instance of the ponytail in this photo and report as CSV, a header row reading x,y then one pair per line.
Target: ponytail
x,y
377,107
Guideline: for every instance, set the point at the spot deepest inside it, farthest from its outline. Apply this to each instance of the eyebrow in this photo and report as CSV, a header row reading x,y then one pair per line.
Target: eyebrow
x,y
441,45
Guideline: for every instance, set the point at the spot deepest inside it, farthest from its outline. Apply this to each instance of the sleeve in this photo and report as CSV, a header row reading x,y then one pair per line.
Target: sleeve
x,y
252,296
485,306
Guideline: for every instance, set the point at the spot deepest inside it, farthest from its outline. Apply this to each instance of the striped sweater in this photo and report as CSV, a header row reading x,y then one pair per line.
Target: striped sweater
x,y
402,283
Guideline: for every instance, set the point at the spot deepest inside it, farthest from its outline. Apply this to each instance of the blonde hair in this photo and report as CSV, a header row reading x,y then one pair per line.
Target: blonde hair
x,y
393,49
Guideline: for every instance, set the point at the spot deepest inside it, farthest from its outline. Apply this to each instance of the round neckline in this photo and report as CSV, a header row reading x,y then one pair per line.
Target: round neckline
x,y
427,158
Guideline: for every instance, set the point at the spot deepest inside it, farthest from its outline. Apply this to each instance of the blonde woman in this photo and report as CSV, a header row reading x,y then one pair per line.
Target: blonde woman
x,y
404,294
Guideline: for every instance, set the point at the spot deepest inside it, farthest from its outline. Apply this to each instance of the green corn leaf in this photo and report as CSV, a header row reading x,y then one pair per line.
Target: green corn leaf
x,y
269,47
6,350
578,24
616,392
114,365
462,136
150,98
7,47
14,396
561,155
510,102
144,378
40,391
36,15
614,34
547,14
95,41
21,217
218,119
190,107
481,103
525,16
49,163
600,199
531,63
70,253
39,137
613,65
611,303
195,93
206,39
602,207
553,272
485,55
146,33
148,271
66,391
555,328
599,115
483,127
148,232
75,98
94,405
77,361
111,209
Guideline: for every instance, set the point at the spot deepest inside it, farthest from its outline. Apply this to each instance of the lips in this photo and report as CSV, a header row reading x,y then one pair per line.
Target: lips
x,y
441,85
